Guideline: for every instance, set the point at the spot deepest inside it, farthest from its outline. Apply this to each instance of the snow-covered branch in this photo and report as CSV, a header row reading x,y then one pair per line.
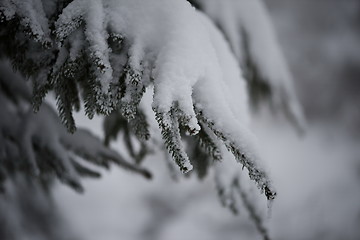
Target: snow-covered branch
x,y
111,51
39,145
248,29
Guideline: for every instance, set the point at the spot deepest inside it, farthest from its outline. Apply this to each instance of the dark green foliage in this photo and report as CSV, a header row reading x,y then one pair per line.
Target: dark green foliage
x,y
134,92
67,95
112,125
207,142
50,164
136,128
38,146
259,176
24,53
36,57
115,42
170,131
198,157
139,126
202,150
88,93
118,85
40,88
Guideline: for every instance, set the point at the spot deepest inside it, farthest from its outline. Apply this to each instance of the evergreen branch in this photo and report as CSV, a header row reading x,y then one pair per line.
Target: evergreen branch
x,y
112,125
198,157
257,220
208,143
139,126
40,90
67,95
169,126
203,150
226,195
84,171
31,17
255,173
69,20
95,152
134,91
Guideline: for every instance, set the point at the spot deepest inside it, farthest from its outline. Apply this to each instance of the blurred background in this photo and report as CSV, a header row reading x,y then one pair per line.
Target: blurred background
x,y
317,176
321,41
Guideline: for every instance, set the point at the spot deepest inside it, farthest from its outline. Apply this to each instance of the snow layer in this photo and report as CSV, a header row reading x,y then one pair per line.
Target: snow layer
x,y
180,50
187,59
240,19
32,17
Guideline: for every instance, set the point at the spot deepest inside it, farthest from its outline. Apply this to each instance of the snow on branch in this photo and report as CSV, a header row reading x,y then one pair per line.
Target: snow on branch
x,y
248,29
236,193
39,145
31,16
111,51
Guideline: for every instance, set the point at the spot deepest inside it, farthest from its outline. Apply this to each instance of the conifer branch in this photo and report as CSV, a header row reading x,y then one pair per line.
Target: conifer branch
x,y
170,131
255,173
251,208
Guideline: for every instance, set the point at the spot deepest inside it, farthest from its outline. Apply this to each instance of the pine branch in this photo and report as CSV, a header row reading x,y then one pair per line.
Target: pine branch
x,y
137,127
31,17
67,95
84,171
248,29
255,173
203,150
140,126
134,91
95,152
208,143
257,220
199,157
225,193
169,126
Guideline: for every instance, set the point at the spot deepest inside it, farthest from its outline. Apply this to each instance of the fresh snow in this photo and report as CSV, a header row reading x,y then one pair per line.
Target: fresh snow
x,y
240,19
